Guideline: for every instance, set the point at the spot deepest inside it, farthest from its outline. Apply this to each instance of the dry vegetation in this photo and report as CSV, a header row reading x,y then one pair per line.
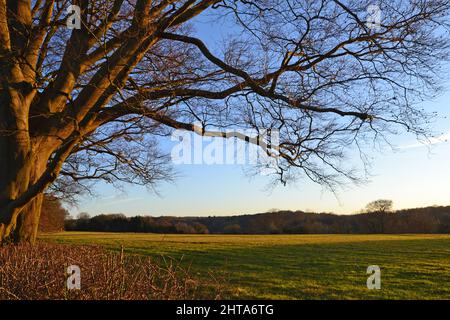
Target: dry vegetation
x,y
39,272
297,266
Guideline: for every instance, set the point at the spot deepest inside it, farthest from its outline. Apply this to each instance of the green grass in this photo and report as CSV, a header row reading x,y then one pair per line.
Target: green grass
x,y
299,266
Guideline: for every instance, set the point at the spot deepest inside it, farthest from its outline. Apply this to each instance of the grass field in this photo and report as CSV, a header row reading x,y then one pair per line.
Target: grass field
x,y
298,266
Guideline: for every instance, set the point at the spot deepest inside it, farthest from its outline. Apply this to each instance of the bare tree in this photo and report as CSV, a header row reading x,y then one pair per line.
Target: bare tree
x,y
380,206
83,216
88,103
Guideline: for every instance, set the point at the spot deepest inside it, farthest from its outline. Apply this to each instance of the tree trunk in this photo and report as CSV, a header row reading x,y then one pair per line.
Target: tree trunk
x,y
22,224
28,221
23,161
16,175
23,158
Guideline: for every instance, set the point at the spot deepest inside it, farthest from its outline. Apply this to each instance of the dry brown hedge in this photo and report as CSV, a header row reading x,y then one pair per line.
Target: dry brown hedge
x,y
39,272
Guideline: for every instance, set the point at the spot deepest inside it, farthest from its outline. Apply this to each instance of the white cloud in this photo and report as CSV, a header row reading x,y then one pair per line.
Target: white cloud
x,y
116,200
431,141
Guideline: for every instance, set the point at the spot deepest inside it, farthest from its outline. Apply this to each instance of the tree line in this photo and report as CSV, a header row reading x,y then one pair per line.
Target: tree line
x,y
419,220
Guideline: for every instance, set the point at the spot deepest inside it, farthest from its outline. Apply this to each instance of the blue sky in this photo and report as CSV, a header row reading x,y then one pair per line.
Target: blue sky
x,y
412,176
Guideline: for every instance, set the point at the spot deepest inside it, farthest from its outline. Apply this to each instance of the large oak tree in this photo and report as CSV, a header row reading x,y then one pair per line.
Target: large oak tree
x,y
88,103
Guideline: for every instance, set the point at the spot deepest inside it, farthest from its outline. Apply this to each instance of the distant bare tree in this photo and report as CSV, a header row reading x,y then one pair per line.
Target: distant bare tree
x,y
83,216
380,206
89,103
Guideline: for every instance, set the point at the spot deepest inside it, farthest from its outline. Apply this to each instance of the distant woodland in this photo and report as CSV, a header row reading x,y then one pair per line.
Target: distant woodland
x,y
419,220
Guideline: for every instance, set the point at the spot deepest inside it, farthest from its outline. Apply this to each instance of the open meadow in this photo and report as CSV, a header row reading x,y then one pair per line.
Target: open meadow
x,y
295,266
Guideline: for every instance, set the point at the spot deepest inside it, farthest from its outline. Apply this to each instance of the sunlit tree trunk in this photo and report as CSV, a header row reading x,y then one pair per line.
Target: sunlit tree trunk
x,y
28,221
21,164
19,224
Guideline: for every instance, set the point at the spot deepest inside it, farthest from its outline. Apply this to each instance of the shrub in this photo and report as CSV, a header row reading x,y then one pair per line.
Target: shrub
x,y
39,272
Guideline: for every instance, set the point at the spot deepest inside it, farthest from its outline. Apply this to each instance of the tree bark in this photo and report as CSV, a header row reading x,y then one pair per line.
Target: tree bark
x,y
17,172
21,225
27,225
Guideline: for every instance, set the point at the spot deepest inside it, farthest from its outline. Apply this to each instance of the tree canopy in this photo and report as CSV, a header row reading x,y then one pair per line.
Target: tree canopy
x,y
90,103
381,205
